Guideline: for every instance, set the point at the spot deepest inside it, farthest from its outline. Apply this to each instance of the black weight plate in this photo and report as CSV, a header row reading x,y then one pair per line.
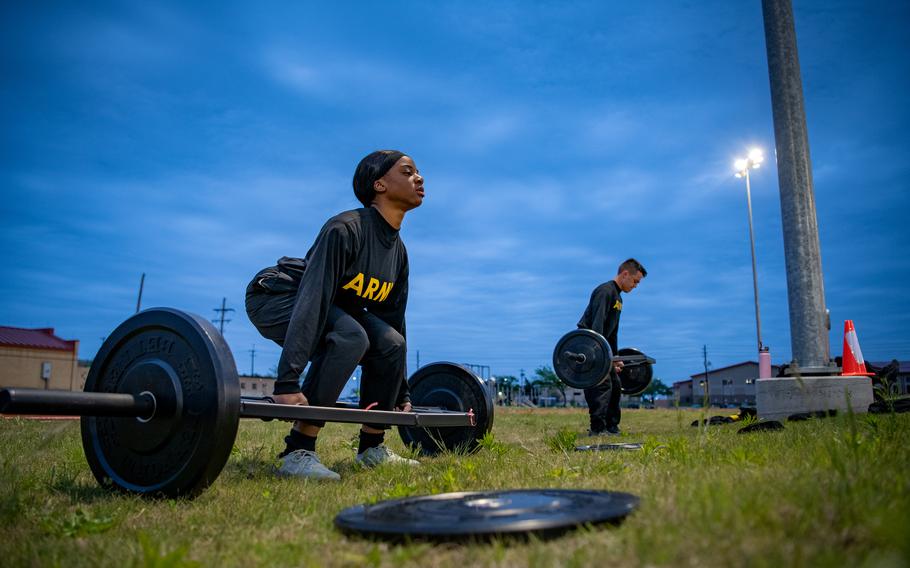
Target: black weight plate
x,y
761,426
598,359
608,447
183,361
486,514
635,379
452,387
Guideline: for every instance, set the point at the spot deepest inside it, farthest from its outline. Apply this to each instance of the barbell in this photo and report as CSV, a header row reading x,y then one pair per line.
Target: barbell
x,y
583,359
161,406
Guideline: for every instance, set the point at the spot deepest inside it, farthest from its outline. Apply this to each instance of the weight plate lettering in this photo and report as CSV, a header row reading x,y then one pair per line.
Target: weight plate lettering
x,y
185,364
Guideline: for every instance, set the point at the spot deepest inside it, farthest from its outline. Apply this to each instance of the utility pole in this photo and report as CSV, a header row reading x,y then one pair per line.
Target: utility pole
x,y
418,358
139,299
222,311
704,351
521,385
809,320
253,361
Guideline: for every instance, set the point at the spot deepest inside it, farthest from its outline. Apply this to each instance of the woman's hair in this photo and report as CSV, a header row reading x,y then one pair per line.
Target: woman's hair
x,y
371,168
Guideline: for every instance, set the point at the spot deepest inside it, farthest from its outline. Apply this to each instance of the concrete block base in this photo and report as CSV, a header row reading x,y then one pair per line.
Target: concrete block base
x,y
781,397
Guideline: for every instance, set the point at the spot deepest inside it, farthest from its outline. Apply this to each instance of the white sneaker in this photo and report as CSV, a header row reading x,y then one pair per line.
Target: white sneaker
x,y
378,455
305,464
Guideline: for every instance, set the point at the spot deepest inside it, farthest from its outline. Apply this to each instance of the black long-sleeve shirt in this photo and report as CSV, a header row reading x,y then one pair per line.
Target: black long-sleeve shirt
x,y
603,311
358,262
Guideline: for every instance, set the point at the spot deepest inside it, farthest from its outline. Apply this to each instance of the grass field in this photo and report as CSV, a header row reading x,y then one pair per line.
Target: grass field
x,y
831,492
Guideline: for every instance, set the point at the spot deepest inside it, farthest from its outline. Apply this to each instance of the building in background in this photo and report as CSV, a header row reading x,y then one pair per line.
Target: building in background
x,y
575,397
733,385
38,359
256,386
82,369
682,392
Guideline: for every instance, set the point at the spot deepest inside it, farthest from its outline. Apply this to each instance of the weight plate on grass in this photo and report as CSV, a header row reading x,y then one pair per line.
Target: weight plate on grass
x,y
185,364
582,358
608,447
761,426
635,378
452,387
486,514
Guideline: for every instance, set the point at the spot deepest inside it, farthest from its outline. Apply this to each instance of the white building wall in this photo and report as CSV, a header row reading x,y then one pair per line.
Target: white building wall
x,y
730,386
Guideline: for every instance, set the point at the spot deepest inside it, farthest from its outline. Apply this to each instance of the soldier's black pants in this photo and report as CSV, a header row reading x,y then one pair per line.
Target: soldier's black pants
x,y
603,403
347,340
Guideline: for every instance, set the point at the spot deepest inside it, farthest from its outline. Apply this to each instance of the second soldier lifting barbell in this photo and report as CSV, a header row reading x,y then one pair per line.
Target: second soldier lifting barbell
x,y
583,359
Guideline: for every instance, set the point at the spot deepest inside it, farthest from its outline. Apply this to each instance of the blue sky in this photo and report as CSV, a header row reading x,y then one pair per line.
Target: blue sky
x,y
199,142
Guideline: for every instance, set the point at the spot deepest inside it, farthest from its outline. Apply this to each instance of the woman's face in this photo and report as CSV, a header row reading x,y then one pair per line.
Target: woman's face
x,y
402,184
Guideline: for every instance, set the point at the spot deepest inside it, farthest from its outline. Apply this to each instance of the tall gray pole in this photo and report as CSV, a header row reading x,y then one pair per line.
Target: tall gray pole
x,y
754,273
805,287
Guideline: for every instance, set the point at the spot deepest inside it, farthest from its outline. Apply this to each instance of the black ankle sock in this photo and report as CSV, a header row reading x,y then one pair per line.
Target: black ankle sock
x,y
298,441
368,441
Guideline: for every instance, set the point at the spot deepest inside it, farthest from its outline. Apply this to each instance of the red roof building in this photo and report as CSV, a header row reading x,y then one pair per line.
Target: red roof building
x,y
37,358
42,338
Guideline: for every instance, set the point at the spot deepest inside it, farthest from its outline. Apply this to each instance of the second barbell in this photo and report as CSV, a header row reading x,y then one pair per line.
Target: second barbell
x,y
583,359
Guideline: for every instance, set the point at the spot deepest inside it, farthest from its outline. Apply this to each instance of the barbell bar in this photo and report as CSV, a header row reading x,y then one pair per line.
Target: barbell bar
x,y
143,407
162,404
629,361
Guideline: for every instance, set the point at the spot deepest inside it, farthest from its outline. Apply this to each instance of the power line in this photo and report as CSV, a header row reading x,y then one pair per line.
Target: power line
x,y
222,311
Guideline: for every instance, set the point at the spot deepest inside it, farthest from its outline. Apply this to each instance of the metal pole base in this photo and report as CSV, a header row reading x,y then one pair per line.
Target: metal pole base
x,y
795,370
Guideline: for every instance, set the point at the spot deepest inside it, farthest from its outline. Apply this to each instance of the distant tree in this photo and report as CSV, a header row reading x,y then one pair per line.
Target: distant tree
x,y
657,388
546,378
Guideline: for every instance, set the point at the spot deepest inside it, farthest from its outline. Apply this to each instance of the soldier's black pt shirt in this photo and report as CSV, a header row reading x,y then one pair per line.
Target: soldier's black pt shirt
x,y
357,263
603,311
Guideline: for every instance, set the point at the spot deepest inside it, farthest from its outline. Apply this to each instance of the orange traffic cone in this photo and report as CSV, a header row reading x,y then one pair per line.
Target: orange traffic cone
x,y
854,366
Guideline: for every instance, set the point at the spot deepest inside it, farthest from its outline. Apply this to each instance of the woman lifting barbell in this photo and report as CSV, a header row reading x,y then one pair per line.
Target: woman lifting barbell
x,y
344,305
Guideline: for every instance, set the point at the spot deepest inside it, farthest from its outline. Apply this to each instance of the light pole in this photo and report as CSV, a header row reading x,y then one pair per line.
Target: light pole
x,y
743,165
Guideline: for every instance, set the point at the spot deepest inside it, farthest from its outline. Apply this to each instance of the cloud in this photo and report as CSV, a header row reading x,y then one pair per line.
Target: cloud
x,y
340,76
556,141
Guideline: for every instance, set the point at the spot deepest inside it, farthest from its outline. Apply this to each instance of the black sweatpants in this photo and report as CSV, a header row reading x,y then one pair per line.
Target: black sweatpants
x,y
348,340
603,403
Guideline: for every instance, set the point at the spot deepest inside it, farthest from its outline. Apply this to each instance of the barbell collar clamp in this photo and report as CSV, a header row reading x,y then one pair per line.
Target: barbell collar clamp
x,y
579,358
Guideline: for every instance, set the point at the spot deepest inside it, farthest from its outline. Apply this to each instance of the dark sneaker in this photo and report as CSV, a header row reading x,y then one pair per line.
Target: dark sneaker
x,y
613,431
